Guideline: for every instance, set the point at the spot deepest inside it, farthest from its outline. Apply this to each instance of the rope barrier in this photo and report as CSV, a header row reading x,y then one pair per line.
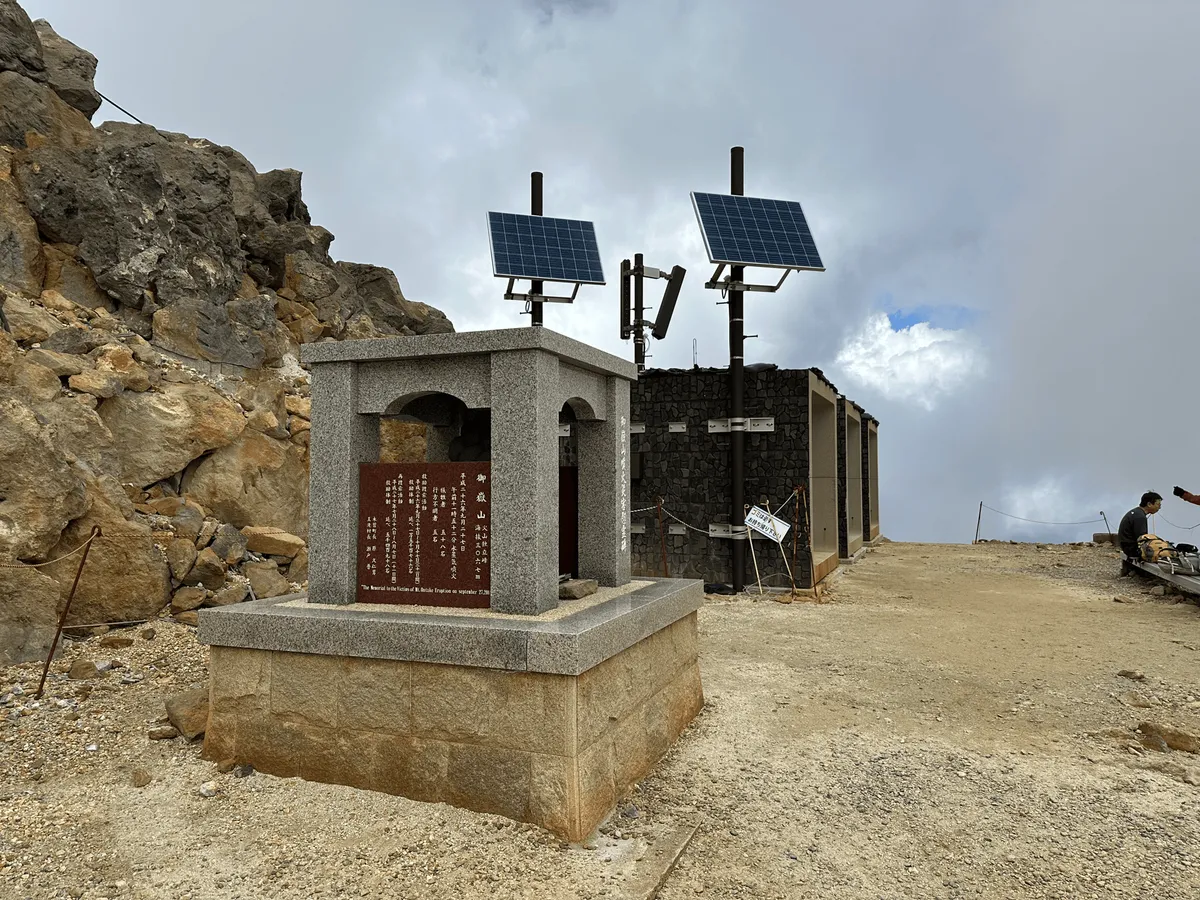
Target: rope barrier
x,y
50,562
1038,521
703,531
1180,527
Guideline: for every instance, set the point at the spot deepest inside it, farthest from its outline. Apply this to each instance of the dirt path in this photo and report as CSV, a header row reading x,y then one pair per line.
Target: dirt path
x,y
951,725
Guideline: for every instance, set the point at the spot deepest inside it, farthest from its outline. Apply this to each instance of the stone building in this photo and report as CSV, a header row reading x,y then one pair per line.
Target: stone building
x,y
798,429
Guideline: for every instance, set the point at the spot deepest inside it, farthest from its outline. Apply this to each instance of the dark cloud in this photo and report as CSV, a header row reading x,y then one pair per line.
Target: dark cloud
x,y
1033,163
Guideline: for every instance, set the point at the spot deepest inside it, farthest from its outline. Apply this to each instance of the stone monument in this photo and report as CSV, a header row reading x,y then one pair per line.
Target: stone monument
x,y
432,657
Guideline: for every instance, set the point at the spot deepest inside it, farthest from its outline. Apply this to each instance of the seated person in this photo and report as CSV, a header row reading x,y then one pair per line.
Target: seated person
x,y
1133,526
1187,495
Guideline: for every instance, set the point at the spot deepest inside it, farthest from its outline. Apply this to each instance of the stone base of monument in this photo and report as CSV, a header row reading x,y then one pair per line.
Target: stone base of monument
x,y
546,719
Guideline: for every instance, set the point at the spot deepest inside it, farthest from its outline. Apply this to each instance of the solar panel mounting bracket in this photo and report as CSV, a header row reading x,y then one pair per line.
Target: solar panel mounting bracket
x,y
728,284
539,298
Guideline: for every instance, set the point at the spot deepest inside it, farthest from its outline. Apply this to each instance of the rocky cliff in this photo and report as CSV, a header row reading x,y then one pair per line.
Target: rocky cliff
x,y
154,291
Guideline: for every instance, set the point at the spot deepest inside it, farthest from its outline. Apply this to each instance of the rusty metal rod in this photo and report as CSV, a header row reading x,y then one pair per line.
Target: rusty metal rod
x,y
62,620
662,537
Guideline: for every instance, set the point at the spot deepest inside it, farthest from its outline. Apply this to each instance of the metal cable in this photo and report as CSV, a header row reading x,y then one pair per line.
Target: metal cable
x,y
121,108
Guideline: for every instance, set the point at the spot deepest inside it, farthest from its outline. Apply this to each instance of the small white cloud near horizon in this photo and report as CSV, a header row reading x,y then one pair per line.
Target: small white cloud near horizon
x,y
918,364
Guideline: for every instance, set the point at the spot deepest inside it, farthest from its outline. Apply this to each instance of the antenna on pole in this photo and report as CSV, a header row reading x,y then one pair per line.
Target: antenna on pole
x,y
633,316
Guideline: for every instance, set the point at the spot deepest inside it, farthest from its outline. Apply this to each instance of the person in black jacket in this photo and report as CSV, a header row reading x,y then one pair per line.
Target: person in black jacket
x,y
1134,525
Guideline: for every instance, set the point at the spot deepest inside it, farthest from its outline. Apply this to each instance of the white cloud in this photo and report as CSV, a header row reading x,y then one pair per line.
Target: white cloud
x,y
1046,501
918,364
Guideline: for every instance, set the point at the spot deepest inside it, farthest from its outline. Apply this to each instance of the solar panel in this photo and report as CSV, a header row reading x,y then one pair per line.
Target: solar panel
x,y
751,231
543,248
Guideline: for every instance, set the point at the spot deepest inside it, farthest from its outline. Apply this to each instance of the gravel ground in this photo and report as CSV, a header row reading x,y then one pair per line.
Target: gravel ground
x,y
953,723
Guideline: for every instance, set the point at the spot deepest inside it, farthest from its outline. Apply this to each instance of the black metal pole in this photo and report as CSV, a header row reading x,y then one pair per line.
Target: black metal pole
x,y
737,388
626,324
639,331
535,208
978,522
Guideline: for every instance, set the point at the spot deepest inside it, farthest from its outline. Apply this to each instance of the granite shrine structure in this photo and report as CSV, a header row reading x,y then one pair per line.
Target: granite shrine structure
x,y
433,657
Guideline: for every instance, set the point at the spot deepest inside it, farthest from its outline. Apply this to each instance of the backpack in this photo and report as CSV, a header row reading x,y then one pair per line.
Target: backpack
x,y
1152,548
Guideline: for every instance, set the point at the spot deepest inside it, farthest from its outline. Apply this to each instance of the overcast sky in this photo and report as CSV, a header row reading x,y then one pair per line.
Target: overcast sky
x,y
1006,197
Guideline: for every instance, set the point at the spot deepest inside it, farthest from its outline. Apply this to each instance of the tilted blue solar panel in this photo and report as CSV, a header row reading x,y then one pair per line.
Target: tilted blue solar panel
x,y
542,248
751,231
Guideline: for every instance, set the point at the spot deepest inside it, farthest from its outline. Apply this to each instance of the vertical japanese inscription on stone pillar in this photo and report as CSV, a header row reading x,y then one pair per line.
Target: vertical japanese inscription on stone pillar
x,y
424,533
624,488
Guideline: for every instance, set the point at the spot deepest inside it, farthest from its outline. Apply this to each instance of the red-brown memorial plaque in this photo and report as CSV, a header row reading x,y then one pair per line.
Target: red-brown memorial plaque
x,y
424,533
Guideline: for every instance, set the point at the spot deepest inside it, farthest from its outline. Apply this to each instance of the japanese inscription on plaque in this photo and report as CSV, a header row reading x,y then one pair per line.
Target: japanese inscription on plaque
x,y
424,533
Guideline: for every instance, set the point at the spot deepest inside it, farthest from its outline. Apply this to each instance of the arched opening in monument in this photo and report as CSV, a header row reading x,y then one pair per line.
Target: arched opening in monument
x,y
575,416
434,427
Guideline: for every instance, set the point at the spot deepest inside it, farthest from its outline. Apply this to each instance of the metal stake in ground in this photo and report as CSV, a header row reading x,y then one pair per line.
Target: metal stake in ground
x,y
978,522
750,539
62,620
662,538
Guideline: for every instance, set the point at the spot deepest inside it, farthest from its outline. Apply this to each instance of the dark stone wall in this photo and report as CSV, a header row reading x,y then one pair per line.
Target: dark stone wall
x,y
842,489
691,471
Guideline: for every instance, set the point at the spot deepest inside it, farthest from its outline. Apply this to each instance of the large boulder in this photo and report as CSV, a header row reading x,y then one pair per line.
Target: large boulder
x,y
323,288
151,214
20,49
126,576
80,435
70,70
378,295
22,263
279,190
27,614
40,491
205,331
27,321
157,433
257,480
34,382
28,108
267,248
72,279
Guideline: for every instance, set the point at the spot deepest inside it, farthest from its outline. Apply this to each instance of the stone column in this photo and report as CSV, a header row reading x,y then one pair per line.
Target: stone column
x,y
524,519
340,440
604,491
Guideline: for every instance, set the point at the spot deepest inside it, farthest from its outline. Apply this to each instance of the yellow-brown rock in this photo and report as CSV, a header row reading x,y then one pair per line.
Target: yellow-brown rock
x,y
257,480
126,575
159,432
272,541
